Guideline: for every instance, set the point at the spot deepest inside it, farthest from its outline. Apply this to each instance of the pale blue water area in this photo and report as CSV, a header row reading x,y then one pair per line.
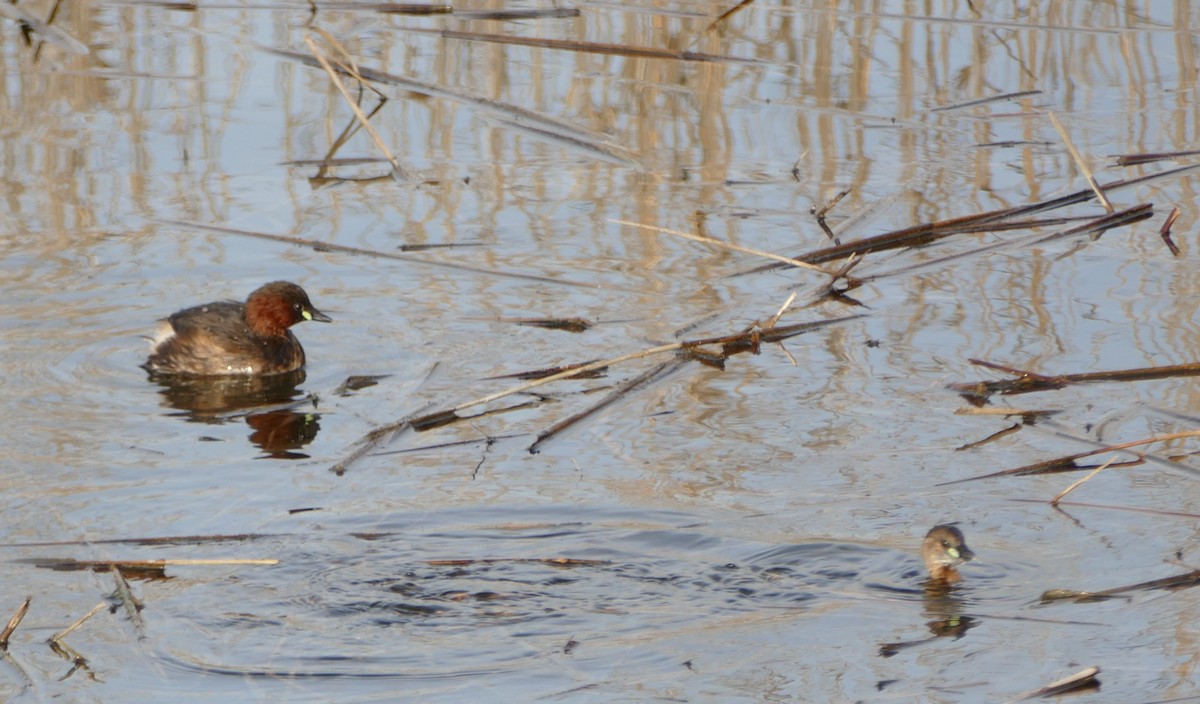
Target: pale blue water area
x,y
746,534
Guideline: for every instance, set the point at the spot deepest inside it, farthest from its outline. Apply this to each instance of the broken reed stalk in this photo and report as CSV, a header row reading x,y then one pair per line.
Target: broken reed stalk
x,y
1087,173
75,626
1165,232
728,245
398,171
14,622
1077,484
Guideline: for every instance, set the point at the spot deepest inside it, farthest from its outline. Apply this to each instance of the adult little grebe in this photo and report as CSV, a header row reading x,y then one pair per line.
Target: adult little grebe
x,y
228,338
944,549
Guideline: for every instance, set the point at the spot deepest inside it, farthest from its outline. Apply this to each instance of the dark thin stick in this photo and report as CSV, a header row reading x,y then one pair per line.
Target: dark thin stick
x,y
14,622
727,14
1101,224
587,47
984,101
331,247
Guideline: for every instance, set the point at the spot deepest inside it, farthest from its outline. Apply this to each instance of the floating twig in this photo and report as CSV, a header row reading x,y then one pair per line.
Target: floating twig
x,y
167,540
1087,173
1179,581
13,622
75,626
68,564
1067,463
1055,501
820,214
728,245
1151,157
1165,232
1084,679
727,14
1029,382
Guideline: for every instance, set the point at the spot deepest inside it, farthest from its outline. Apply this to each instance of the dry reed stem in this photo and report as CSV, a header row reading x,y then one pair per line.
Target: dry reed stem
x,y
1087,173
397,170
1036,467
1075,485
14,622
75,626
1084,678
728,245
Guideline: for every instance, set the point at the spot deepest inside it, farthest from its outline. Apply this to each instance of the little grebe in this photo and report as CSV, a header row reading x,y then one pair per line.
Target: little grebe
x,y
944,549
229,338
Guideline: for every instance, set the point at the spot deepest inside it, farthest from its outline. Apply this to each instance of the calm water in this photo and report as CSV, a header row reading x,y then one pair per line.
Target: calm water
x,y
740,535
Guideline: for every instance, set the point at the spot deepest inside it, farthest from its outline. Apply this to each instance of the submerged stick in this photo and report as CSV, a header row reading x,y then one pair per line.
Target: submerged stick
x,y
133,605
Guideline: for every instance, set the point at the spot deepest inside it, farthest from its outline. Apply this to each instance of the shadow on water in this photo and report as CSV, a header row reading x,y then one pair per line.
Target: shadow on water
x,y
270,405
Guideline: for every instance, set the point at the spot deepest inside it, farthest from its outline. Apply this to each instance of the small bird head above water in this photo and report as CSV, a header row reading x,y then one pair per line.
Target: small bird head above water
x,y
944,549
